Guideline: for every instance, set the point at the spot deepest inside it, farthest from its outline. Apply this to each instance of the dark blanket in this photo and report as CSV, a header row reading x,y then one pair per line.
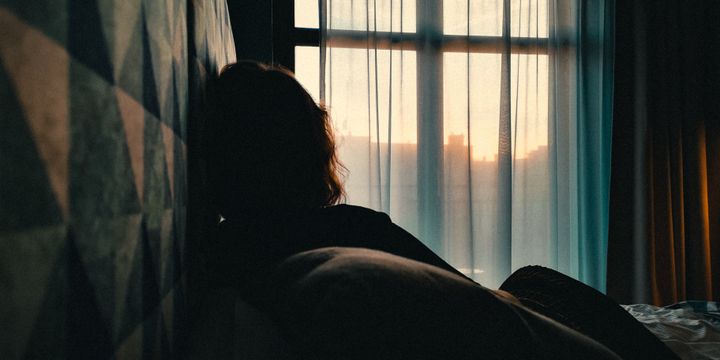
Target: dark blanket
x,y
586,310
352,303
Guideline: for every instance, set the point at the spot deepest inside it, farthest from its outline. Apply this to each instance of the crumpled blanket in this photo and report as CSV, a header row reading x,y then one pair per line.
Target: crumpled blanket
x,y
690,328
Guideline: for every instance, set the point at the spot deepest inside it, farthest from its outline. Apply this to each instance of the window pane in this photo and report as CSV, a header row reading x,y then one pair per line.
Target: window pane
x,y
476,177
375,122
529,17
352,89
307,69
529,102
306,14
530,168
358,86
373,102
372,15
529,82
365,15
485,17
484,80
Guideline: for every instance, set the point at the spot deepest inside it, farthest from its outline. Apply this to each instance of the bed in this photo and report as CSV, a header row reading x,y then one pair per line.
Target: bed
x,y
690,328
231,328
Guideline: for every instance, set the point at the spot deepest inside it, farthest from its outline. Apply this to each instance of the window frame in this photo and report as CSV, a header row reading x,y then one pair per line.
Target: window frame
x,y
430,141
286,37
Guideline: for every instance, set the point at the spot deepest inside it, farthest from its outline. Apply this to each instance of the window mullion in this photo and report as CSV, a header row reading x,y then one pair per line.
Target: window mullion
x,y
503,255
306,37
430,122
351,39
283,18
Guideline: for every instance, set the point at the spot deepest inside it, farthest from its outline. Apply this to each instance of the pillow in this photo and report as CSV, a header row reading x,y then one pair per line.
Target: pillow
x,y
353,303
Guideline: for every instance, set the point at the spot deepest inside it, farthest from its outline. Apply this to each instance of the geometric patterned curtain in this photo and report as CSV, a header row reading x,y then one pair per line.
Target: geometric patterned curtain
x,y
95,102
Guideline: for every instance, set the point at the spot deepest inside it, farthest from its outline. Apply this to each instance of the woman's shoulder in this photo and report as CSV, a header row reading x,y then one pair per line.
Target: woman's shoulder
x,y
358,213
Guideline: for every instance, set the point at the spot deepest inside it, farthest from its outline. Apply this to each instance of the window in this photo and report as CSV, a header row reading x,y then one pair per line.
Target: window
x,y
478,125
444,93
445,66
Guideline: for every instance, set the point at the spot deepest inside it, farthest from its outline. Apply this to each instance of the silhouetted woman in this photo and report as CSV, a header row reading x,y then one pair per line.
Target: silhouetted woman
x,y
274,179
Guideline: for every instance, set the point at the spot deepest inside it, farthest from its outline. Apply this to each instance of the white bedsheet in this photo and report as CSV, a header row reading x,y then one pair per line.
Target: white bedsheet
x,y
691,329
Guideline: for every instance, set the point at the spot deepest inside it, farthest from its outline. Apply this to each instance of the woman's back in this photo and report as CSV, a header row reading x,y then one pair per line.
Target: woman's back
x,y
246,251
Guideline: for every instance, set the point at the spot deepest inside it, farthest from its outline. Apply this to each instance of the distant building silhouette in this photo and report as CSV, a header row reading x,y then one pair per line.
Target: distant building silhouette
x,y
368,179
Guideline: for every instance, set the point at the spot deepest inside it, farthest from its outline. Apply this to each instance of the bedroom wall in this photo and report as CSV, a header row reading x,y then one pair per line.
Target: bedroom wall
x,y
97,97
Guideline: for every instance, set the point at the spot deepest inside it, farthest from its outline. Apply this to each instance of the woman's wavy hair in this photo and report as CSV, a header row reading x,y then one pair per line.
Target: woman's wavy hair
x,y
269,145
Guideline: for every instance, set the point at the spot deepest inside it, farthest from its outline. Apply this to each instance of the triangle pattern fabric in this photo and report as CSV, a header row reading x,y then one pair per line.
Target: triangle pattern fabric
x,y
150,287
133,118
150,91
157,187
48,330
179,40
126,34
168,136
163,35
38,68
86,41
29,257
130,347
130,77
110,262
179,114
162,69
28,176
166,262
133,303
93,203
180,168
164,257
125,261
87,334
101,178
42,15
150,294
169,144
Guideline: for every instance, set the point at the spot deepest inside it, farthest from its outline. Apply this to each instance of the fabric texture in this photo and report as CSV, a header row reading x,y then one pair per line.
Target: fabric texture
x,y
351,303
665,221
690,328
483,128
246,251
586,310
93,192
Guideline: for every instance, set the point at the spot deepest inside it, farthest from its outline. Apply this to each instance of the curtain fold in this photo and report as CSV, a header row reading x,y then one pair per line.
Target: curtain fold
x,y
594,134
665,200
482,127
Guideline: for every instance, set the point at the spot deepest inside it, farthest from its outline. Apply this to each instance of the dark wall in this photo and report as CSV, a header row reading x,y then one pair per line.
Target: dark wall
x,y
252,29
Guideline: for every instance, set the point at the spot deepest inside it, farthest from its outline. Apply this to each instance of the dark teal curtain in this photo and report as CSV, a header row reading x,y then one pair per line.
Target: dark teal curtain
x,y
594,134
580,135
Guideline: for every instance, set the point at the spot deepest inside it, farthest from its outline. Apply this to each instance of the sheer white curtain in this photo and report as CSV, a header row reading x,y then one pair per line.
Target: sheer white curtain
x,y
461,120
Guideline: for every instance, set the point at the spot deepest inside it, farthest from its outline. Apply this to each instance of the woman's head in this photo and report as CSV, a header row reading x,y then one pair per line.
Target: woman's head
x,y
269,145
